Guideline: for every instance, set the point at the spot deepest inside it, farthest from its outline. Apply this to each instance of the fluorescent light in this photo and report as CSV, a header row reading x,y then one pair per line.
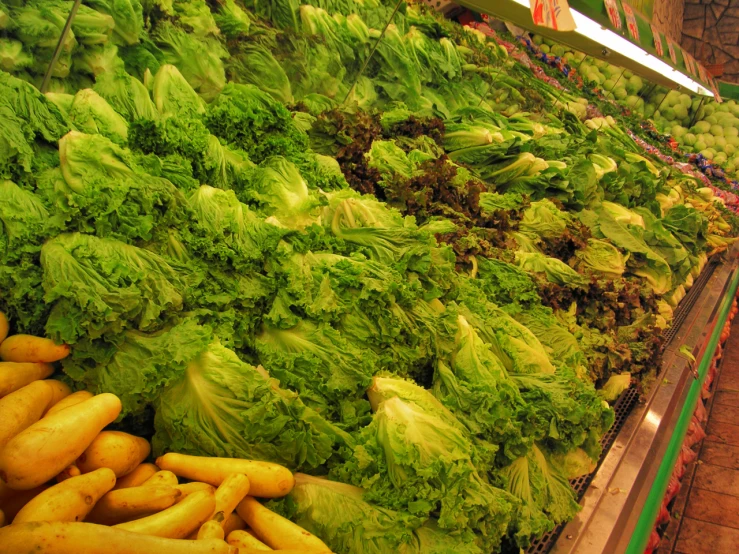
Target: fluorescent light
x,y
597,33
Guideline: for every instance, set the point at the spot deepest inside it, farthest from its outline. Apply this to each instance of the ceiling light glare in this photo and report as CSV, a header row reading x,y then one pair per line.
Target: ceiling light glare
x,y
610,40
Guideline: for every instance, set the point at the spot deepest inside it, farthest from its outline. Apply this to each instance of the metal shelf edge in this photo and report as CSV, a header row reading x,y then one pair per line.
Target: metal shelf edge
x,y
614,499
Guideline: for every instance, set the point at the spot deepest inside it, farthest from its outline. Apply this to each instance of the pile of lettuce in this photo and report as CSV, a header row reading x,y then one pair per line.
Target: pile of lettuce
x,y
399,285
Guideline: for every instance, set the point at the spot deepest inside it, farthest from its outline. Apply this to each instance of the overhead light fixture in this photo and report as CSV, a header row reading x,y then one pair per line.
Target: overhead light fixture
x,y
615,43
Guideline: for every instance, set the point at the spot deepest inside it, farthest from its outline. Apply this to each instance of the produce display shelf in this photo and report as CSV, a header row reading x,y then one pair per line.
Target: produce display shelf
x,y
628,400
519,13
613,497
623,407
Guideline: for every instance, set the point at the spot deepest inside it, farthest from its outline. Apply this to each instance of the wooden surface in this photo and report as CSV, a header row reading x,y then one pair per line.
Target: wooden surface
x,y
710,522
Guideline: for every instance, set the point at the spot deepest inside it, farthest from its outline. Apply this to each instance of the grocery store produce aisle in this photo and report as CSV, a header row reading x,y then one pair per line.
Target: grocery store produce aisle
x,y
710,519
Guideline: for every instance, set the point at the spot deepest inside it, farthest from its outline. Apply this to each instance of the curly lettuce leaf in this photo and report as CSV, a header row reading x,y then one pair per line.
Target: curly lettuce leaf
x,y
222,406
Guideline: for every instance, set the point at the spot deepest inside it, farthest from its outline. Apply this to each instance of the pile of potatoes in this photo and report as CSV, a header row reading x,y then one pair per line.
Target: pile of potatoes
x,y
67,486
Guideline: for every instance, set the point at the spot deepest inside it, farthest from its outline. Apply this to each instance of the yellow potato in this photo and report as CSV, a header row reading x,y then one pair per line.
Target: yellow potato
x,y
48,446
88,538
210,530
70,500
233,523
71,400
178,521
229,493
4,327
140,475
283,551
276,531
59,391
11,501
189,488
119,451
121,505
14,375
266,480
163,478
242,539
71,471
22,408
27,348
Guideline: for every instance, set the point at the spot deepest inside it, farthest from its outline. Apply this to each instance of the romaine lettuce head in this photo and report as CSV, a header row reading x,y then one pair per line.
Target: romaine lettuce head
x,y
644,261
227,230
127,15
137,366
253,121
602,257
100,189
255,65
279,188
574,463
199,58
543,219
339,514
91,26
105,286
329,371
615,385
61,100
232,20
39,26
173,95
13,57
514,345
472,382
546,496
413,460
560,342
385,387
42,118
24,222
554,270
90,113
24,225
222,406
128,96
378,231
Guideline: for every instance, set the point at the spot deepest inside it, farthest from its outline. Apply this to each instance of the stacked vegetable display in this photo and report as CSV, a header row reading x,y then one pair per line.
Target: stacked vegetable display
x,y
101,478
395,280
699,125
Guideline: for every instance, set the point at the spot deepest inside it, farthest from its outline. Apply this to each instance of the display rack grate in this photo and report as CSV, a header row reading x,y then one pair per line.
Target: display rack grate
x,y
622,408
683,309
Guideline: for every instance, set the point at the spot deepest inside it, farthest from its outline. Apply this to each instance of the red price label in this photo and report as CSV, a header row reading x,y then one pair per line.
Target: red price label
x,y
613,14
554,14
671,48
658,41
631,21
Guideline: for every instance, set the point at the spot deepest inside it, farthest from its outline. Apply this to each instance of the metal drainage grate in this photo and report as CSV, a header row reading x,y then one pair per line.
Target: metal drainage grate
x,y
622,407
683,309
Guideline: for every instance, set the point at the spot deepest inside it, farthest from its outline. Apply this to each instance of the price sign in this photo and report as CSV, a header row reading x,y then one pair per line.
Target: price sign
x,y
554,14
658,41
613,14
631,21
671,48
688,62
